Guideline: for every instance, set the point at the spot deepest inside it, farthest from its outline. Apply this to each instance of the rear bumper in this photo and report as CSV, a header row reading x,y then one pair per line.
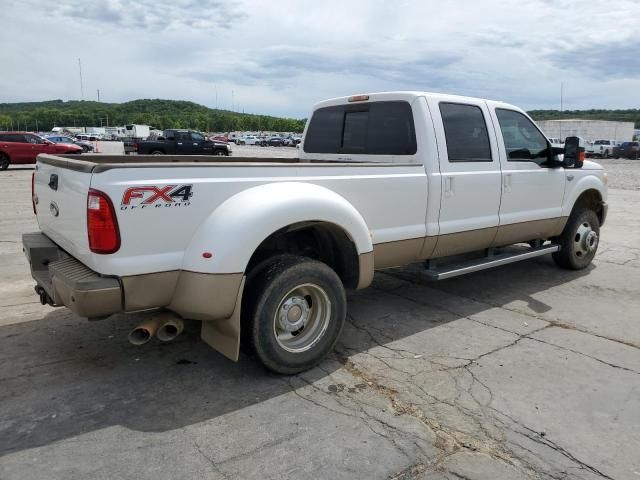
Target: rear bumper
x,y
68,282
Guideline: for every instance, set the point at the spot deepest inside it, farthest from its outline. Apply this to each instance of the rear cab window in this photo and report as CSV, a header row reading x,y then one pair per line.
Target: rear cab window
x,y
373,128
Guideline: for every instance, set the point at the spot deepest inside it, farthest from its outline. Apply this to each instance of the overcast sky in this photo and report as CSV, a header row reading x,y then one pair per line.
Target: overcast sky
x,y
280,57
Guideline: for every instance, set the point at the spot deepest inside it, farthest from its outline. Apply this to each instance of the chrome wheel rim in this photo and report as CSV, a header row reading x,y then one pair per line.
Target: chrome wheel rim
x,y
585,241
302,318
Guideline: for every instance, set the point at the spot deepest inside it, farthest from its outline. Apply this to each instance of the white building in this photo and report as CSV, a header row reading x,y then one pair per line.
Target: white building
x,y
588,129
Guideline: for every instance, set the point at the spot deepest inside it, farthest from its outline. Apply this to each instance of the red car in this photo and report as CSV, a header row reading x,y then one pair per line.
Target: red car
x,y
24,147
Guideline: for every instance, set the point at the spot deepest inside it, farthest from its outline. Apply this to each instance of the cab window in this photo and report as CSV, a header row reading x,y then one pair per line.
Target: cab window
x,y
465,133
522,140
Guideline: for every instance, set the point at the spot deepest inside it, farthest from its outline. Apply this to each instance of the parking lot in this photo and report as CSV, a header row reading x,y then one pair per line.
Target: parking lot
x,y
526,371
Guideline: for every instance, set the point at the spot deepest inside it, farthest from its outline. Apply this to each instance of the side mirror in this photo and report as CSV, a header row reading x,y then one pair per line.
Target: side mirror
x,y
573,152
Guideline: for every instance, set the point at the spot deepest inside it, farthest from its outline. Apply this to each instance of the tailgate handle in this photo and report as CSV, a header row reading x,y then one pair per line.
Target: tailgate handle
x,y
53,181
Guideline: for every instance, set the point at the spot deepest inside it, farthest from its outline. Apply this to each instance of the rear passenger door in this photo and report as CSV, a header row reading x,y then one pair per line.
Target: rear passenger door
x,y
470,176
183,143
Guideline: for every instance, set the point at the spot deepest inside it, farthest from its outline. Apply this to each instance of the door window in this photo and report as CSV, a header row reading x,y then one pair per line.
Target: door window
x,y
522,140
466,133
196,137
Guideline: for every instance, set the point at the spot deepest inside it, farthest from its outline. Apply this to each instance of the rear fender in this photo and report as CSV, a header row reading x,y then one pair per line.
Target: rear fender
x,y
235,229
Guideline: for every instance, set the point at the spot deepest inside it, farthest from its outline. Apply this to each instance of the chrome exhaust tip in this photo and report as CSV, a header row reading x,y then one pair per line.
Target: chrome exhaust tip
x,y
143,332
170,329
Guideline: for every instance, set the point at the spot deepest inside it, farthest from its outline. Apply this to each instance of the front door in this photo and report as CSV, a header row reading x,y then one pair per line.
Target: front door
x,y
470,176
532,187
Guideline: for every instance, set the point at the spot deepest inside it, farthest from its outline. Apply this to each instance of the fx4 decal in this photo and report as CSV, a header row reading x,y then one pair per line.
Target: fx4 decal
x,y
157,197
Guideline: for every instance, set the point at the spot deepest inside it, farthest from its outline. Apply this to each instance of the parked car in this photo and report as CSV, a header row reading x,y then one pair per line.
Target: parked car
x,y
86,146
627,150
88,137
556,142
601,148
273,142
24,147
268,248
182,142
249,140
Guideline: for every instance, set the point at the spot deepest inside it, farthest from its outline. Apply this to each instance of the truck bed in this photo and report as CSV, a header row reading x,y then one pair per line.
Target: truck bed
x,y
100,163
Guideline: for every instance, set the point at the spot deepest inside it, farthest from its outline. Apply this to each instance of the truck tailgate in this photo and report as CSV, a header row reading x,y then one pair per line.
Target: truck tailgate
x,y
61,208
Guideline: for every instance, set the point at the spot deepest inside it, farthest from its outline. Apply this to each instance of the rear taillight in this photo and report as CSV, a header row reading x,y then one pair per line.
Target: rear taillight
x,y
102,224
33,192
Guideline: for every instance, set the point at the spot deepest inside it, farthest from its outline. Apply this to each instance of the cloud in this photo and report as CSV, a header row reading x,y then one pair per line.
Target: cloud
x,y
281,58
617,59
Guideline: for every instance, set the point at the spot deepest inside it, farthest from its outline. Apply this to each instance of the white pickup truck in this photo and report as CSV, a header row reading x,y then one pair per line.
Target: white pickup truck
x,y
267,247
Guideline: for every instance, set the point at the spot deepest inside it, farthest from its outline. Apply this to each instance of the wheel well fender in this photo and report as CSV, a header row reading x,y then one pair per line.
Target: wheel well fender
x,y
588,193
237,227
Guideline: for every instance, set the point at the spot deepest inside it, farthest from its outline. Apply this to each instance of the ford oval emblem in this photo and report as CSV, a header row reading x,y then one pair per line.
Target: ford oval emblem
x,y
53,208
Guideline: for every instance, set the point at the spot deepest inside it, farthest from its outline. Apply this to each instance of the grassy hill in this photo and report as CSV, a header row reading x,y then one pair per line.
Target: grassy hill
x,y
179,114
155,112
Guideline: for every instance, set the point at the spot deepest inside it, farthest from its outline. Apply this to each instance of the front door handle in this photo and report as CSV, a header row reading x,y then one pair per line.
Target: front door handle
x,y
448,186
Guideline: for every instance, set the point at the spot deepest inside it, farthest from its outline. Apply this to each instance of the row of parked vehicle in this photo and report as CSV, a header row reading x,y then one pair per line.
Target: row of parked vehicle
x,y
613,148
262,140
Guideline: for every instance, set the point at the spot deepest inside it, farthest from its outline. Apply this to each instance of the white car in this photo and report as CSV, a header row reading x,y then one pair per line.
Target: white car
x,y
249,140
271,245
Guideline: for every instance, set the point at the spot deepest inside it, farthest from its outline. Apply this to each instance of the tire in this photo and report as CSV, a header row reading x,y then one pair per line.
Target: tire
x,y
4,161
306,287
579,240
157,152
220,153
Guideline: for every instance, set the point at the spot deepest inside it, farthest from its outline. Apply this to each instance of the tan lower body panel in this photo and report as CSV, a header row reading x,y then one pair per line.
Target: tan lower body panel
x,y
524,231
206,296
403,252
463,242
200,296
396,254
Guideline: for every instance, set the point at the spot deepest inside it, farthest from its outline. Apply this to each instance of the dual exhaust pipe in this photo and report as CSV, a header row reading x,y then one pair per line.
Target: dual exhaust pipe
x,y
165,327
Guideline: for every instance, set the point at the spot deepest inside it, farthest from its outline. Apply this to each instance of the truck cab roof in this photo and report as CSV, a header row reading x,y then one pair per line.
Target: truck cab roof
x,y
406,96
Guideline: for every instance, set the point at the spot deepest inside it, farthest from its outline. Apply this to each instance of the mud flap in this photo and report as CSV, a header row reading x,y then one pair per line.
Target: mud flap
x,y
224,335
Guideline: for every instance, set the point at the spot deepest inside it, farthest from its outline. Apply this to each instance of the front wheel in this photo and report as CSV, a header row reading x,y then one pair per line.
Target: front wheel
x,y
157,152
579,240
293,312
4,161
220,153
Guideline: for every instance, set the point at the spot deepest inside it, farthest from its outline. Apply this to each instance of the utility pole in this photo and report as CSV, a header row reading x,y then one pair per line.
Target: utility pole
x,y
81,85
561,97
98,95
232,100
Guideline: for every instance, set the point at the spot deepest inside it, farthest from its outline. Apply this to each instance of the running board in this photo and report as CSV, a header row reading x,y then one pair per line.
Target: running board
x,y
442,272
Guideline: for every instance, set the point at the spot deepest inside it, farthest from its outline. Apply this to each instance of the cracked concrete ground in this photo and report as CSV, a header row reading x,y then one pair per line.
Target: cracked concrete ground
x,y
522,372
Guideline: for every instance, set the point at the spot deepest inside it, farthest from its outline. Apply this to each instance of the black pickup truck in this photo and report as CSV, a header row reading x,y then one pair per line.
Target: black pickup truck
x,y
182,142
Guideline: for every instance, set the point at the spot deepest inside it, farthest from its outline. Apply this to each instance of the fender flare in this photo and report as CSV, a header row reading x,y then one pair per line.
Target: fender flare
x,y
589,182
237,227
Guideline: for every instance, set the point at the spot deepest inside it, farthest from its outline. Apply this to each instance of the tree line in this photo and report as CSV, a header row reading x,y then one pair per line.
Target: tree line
x,y
162,114
630,115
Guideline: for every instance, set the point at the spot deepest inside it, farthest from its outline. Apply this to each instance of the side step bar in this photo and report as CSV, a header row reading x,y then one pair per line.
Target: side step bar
x,y
442,272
